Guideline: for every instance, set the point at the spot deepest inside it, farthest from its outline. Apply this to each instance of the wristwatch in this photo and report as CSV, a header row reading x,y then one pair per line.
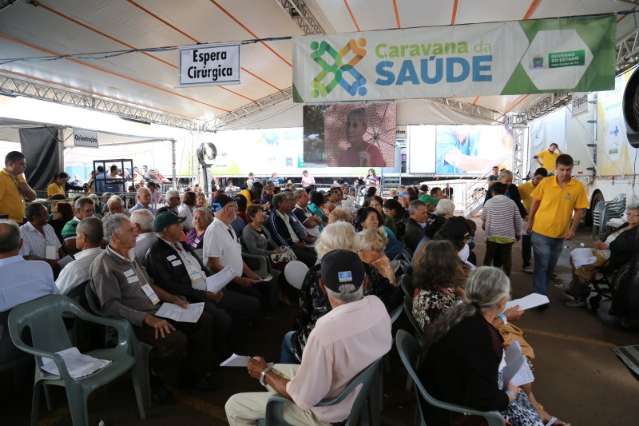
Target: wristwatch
x,y
263,375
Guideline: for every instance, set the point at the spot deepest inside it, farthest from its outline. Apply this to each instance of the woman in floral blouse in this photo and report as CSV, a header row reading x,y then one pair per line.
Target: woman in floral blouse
x,y
438,280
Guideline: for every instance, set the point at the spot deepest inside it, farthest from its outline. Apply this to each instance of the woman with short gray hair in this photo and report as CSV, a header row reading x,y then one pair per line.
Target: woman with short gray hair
x,y
463,352
338,235
370,245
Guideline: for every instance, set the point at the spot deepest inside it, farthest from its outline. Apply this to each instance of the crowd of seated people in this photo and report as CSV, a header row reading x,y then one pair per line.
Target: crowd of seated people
x,y
136,259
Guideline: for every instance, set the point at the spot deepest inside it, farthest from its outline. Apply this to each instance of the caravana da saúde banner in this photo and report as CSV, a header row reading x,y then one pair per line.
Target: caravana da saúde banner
x,y
502,58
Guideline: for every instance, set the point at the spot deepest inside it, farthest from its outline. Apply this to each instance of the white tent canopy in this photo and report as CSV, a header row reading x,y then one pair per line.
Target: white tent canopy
x,y
149,80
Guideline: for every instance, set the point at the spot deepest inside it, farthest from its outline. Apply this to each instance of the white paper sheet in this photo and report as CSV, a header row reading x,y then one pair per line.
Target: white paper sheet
x,y
236,360
523,376
582,256
514,360
514,367
528,302
78,364
218,281
174,312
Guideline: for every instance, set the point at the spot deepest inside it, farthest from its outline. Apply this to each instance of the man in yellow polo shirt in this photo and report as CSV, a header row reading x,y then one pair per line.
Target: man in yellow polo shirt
x,y
548,157
552,221
525,191
14,189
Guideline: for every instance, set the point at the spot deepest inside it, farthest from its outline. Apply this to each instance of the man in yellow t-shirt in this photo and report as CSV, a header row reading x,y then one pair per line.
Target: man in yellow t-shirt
x,y
555,200
548,157
14,189
525,191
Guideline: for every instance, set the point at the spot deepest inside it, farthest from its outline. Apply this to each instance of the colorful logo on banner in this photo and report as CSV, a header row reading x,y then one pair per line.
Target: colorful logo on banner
x,y
338,68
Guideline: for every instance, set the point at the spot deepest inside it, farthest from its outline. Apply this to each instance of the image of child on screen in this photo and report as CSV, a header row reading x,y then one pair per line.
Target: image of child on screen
x,y
353,150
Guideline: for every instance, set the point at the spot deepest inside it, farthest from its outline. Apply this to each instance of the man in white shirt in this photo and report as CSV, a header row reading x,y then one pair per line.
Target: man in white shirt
x,y
115,205
307,179
39,241
25,280
185,210
88,240
143,221
222,248
144,201
353,335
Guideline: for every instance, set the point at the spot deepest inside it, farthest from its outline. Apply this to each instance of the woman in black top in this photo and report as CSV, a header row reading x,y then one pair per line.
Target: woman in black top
x,y
464,352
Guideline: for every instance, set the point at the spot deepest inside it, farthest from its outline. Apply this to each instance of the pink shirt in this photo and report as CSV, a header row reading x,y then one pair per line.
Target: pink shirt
x,y
343,343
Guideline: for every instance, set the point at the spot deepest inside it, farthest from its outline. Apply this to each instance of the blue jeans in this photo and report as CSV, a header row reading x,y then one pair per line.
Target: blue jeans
x,y
287,355
546,251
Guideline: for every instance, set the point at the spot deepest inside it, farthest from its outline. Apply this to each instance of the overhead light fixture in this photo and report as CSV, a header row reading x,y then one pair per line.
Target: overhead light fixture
x,y
135,120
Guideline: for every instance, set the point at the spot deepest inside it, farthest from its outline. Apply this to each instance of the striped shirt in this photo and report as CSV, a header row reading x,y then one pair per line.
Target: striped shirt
x,y
501,218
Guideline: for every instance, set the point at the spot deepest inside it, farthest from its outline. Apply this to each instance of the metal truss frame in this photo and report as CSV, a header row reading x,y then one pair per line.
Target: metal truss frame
x,y
12,86
302,15
627,56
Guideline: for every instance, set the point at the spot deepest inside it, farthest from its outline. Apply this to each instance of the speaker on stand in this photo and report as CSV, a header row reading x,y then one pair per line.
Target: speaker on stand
x,y
206,154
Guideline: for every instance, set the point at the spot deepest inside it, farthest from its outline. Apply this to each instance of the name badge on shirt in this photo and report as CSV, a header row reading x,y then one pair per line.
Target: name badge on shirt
x,y
148,290
176,262
171,258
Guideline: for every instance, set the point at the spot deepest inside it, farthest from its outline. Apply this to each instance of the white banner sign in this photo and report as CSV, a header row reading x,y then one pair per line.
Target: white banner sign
x,y
501,58
85,138
209,64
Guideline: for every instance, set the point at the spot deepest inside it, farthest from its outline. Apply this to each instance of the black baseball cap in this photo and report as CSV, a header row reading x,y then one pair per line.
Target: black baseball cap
x,y
342,267
164,219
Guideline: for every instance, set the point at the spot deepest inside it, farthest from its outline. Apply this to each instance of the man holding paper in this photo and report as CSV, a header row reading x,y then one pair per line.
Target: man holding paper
x,y
125,291
174,266
353,335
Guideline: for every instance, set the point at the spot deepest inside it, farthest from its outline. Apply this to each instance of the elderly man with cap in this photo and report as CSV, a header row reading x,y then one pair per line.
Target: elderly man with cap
x,y
353,335
174,266
124,290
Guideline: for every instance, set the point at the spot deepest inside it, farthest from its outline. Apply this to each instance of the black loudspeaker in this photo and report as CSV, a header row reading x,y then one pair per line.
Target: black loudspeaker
x,y
631,109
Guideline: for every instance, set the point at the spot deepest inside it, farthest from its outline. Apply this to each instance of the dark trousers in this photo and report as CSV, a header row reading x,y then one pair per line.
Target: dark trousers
x,y
526,249
241,305
306,255
190,342
221,329
499,256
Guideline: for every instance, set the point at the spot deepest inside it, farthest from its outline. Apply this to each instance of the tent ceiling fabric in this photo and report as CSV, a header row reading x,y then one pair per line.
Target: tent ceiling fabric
x,y
149,79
